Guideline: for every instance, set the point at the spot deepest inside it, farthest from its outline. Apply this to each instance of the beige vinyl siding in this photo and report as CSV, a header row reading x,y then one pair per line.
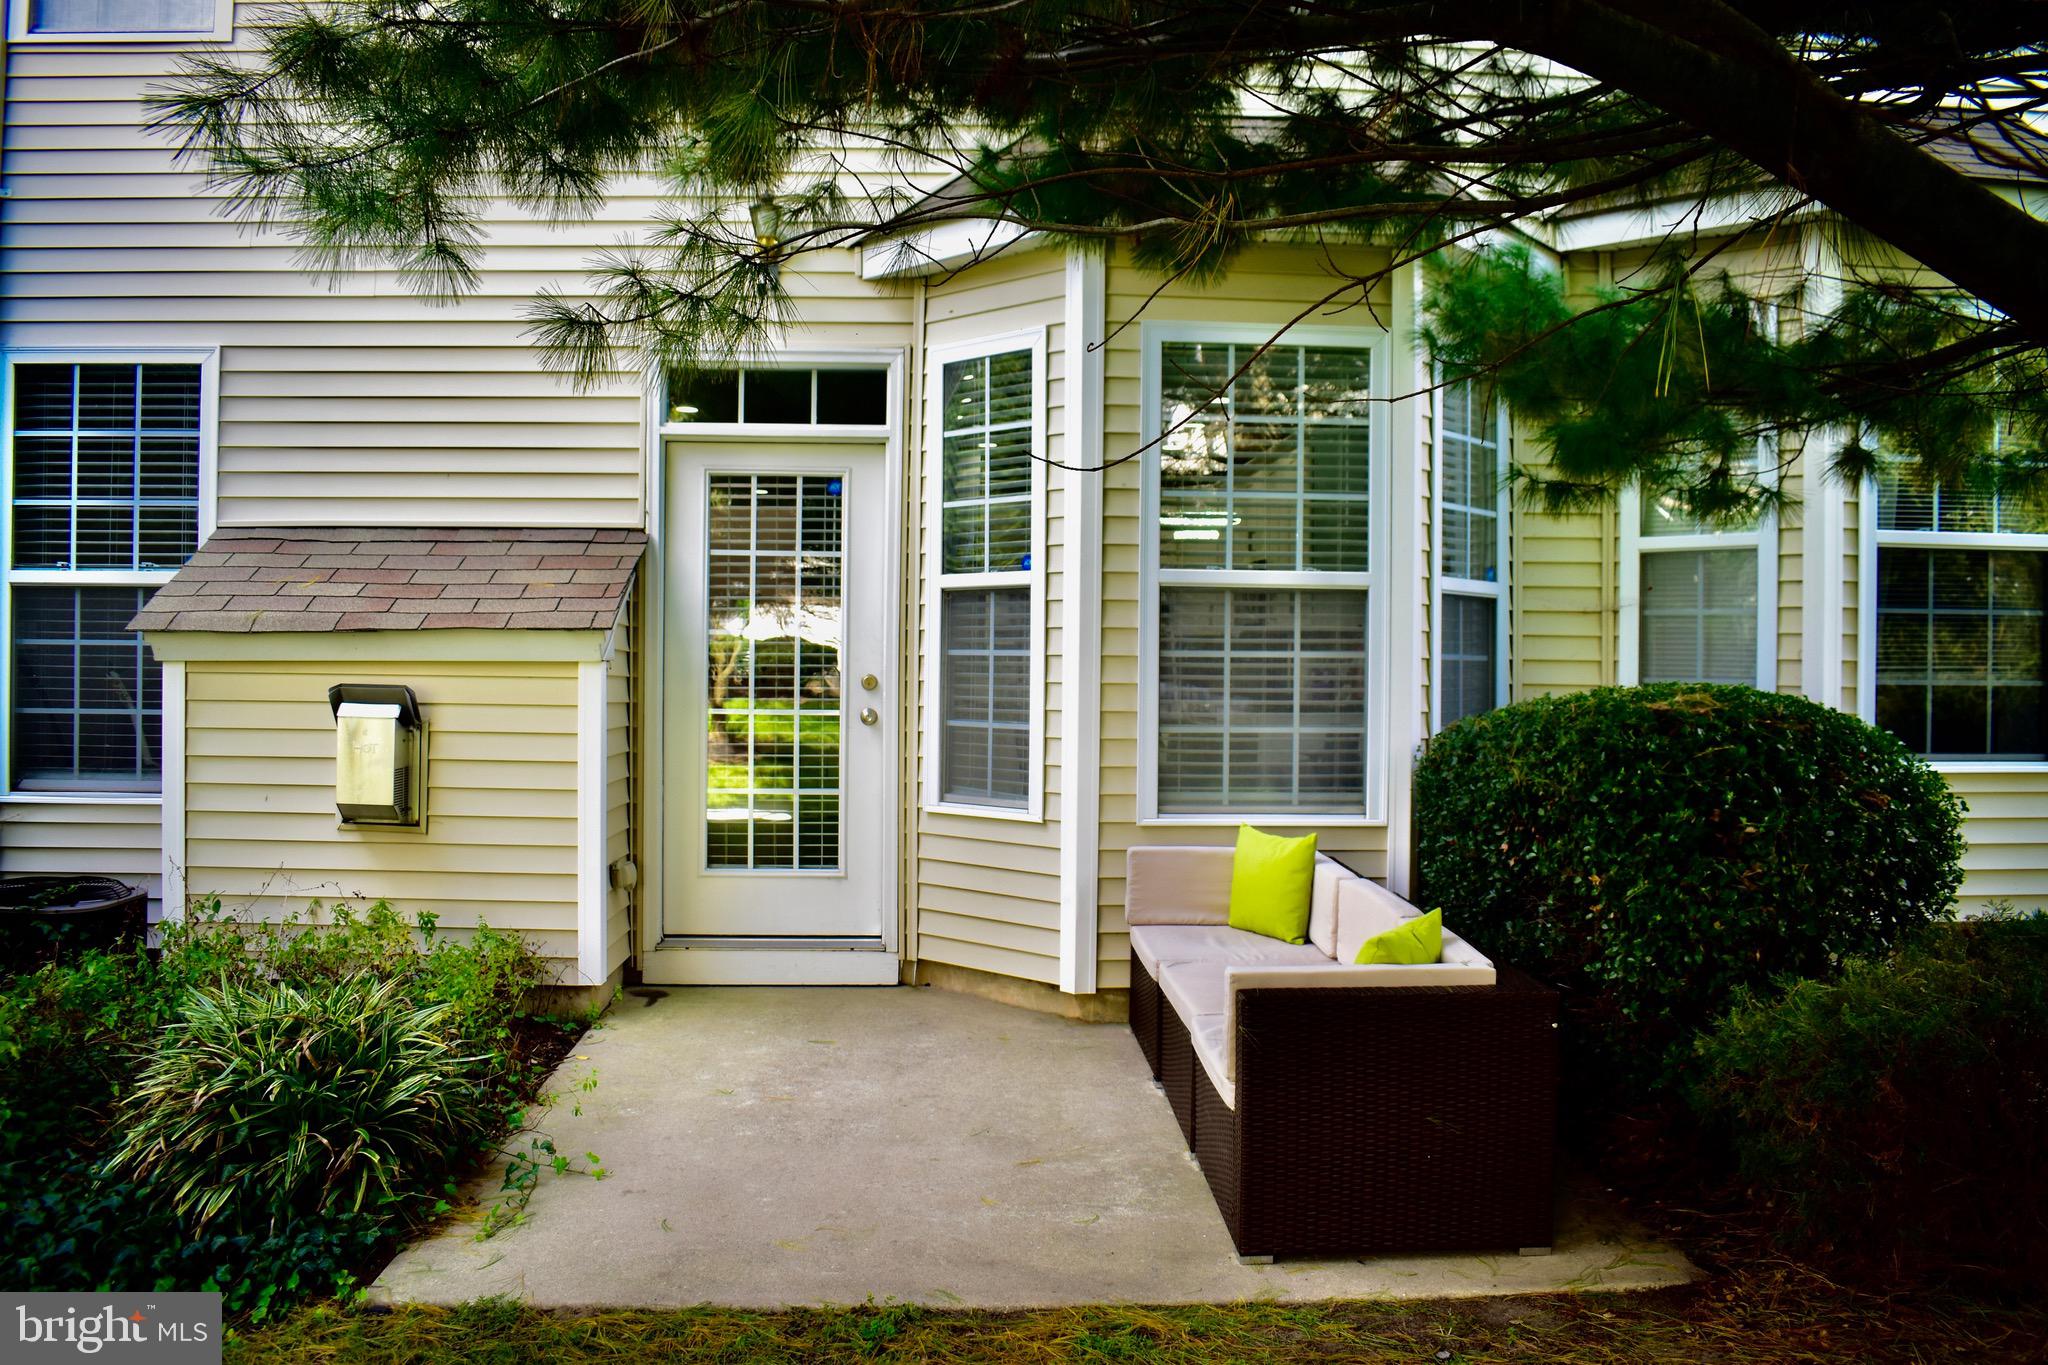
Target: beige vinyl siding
x,y
349,401
622,776
500,843
1268,286
96,838
986,890
2007,829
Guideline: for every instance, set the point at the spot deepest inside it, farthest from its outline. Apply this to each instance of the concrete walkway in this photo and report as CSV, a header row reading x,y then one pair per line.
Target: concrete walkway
x,y
769,1148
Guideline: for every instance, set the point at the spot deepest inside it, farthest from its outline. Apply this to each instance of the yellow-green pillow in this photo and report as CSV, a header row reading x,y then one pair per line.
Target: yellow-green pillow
x,y
1409,943
1270,882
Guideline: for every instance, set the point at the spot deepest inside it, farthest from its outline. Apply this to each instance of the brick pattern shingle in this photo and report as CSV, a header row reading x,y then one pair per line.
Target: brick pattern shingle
x,y
353,578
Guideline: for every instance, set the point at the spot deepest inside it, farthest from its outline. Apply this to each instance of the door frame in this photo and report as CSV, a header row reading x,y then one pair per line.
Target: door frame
x,y
728,963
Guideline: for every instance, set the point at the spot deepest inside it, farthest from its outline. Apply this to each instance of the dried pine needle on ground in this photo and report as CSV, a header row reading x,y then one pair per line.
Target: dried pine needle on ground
x,y
1769,1314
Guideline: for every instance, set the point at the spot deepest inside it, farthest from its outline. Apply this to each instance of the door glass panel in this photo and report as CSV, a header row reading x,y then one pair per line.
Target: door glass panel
x,y
772,739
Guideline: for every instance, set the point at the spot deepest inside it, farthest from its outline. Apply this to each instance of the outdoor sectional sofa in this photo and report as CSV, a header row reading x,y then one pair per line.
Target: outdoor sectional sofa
x,y
1338,1109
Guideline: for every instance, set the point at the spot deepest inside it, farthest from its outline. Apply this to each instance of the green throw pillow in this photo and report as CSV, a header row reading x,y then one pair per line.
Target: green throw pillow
x,y
1270,882
1409,943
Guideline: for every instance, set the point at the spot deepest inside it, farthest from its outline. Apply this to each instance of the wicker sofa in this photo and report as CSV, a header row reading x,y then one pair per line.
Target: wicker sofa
x,y
1338,1109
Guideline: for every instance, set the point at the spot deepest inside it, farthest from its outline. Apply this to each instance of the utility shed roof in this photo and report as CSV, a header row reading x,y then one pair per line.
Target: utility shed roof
x,y
352,578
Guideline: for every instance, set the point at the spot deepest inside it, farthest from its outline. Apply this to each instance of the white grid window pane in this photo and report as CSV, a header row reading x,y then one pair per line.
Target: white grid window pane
x,y
773,575
1960,649
1272,473
1261,699
1470,645
985,465
985,696
1470,445
106,466
121,16
1699,616
87,699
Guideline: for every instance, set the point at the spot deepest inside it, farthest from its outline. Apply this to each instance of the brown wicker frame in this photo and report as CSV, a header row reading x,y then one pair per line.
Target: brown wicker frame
x,y
1377,1119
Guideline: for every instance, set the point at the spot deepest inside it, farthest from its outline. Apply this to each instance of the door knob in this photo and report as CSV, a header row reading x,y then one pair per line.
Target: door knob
x,y
869,715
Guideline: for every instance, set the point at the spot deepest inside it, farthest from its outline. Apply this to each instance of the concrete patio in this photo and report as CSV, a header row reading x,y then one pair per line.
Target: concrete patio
x,y
770,1147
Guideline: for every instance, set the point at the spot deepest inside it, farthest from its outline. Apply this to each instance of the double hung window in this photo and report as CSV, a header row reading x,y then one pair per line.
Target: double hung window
x,y
103,478
1471,655
1262,546
1704,595
989,674
1961,606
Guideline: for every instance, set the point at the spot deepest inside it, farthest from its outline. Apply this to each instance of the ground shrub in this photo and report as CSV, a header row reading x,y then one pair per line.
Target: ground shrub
x,y
278,1101
371,998
1896,1117
1655,850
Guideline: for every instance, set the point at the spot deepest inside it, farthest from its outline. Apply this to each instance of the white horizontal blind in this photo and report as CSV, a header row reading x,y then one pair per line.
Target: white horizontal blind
x,y
122,16
1263,573
1699,616
1907,504
985,740
986,472
1469,645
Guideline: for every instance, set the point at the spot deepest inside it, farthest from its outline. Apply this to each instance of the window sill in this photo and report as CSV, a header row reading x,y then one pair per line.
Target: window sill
x,y
1015,814
1232,819
81,798
1990,765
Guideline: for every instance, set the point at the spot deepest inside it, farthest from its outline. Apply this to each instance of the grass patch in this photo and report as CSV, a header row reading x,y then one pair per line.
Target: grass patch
x,y
1780,1313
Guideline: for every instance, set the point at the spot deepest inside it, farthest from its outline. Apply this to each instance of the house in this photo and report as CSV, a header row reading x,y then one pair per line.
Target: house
x,y
853,664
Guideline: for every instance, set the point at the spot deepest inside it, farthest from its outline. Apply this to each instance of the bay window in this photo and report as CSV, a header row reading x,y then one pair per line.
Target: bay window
x,y
1261,557
986,741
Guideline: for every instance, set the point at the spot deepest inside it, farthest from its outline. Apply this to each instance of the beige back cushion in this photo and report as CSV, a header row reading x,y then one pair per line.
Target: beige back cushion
x,y
1164,885
1322,903
1365,908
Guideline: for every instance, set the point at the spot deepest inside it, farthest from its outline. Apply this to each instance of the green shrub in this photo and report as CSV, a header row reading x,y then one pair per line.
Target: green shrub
x,y
1653,850
75,1040
1898,1116
273,1102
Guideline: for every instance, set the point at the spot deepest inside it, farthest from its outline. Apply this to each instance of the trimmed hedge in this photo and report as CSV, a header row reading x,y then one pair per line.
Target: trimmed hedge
x,y
1897,1117
1655,850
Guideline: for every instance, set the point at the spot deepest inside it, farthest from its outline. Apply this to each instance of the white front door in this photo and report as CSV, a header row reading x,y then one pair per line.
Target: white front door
x,y
776,858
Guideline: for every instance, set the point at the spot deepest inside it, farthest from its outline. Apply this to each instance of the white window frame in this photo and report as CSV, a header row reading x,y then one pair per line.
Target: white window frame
x,y
1151,578
1872,542
1456,584
1762,538
20,31
937,581
208,360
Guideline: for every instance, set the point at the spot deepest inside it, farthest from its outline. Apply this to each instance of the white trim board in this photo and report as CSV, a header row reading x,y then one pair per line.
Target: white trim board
x,y
1081,625
591,888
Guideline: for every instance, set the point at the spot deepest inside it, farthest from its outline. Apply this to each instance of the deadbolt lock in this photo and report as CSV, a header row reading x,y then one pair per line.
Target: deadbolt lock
x,y
870,681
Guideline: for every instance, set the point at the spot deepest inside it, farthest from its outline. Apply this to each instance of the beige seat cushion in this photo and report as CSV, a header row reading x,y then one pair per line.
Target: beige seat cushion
x,y
1158,945
1196,988
1213,1047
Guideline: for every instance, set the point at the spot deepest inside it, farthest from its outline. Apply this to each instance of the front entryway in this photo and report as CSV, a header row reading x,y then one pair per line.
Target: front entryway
x,y
777,711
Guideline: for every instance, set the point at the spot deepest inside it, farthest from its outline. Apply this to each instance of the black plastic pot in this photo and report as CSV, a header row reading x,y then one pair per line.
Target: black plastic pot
x,y
45,919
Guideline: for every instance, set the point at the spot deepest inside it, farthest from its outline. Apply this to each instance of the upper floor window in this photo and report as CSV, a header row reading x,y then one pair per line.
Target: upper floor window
x,y
988,671
1263,577
159,20
103,479
1471,502
1961,605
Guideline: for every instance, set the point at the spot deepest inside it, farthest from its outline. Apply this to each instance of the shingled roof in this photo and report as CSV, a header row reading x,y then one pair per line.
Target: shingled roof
x,y
355,578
